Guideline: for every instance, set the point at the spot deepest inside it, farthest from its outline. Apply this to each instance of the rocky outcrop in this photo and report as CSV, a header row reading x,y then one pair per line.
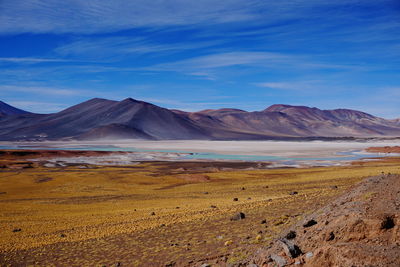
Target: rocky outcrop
x,y
361,228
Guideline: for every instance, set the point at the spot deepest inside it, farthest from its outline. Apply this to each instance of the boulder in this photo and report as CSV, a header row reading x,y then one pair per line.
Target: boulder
x,y
238,216
291,249
310,223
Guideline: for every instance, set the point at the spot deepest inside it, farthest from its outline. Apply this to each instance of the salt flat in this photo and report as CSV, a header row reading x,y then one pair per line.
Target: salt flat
x,y
261,148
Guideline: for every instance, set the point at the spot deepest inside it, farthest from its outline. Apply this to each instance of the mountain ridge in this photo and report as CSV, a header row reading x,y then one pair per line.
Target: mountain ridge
x,y
99,118
6,110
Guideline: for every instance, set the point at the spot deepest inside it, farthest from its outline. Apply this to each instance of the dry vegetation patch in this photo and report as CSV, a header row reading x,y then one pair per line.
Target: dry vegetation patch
x,y
104,215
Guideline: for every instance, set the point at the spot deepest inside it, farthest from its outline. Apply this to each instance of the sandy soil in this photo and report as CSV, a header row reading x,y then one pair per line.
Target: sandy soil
x,y
385,149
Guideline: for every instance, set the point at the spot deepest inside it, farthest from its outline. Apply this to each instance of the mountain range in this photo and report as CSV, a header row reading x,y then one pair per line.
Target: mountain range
x,y
132,119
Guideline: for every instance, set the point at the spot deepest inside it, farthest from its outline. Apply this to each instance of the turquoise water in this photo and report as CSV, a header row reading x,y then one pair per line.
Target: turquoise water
x,y
346,156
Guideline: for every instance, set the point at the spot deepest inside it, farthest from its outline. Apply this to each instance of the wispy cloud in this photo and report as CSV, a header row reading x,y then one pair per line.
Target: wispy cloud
x,y
260,60
126,46
100,16
41,16
44,90
294,85
30,60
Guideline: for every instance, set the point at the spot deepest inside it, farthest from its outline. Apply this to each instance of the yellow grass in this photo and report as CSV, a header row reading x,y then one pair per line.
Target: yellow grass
x,y
91,204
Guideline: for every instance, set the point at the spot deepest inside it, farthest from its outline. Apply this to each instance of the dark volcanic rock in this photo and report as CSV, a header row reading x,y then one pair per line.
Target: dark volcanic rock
x,y
238,216
291,249
291,235
310,223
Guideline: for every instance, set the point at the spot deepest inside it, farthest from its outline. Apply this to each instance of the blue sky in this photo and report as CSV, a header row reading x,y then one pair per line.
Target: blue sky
x,y
201,54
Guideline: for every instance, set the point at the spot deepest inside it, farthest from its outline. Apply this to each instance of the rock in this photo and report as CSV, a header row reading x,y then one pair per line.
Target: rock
x,y
387,223
258,237
238,216
293,193
291,235
243,188
330,236
63,235
309,255
252,265
264,221
177,207
310,223
17,230
206,193
205,265
162,225
280,261
249,198
334,187
235,199
118,264
213,206
153,213
291,249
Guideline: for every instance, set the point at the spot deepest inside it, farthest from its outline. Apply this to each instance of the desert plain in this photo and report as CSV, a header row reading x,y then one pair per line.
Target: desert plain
x,y
160,213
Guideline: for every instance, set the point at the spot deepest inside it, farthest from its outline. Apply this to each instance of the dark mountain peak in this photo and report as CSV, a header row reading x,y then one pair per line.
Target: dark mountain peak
x,y
6,109
91,104
276,108
95,100
284,107
130,100
222,111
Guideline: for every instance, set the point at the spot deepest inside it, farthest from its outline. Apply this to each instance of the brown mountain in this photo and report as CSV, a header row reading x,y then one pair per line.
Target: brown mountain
x,y
298,121
133,119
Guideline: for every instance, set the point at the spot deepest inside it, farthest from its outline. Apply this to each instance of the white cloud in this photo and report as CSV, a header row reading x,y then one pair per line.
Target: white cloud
x,y
224,60
295,85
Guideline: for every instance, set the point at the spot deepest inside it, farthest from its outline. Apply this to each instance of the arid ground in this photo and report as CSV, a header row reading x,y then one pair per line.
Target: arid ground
x,y
158,213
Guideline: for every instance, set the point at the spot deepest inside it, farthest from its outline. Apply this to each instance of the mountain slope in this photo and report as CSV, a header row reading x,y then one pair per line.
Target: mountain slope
x,y
132,119
6,109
